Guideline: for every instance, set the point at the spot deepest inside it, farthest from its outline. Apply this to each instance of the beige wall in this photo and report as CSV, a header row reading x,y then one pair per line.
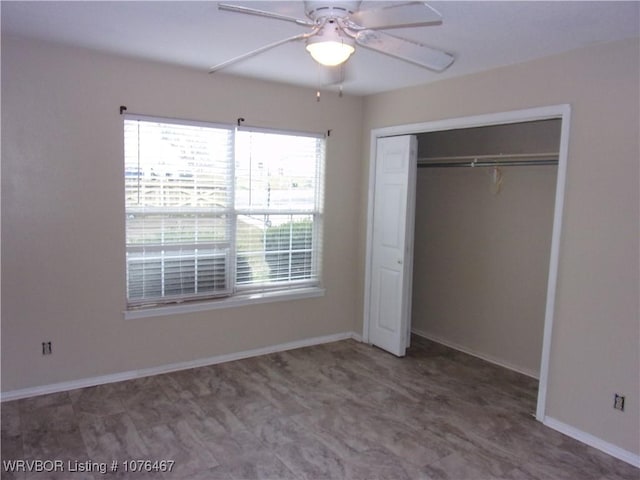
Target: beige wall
x,y
595,346
63,213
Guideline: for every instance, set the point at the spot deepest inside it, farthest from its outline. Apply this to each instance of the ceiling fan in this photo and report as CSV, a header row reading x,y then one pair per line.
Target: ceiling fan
x,y
336,27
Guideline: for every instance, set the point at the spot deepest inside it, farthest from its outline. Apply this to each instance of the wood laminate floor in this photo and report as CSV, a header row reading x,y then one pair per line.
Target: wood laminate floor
x,y
343,410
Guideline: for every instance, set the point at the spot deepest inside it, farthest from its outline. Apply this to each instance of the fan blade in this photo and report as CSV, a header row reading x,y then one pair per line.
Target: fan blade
x,y
263,13
253,53
406,50
411,14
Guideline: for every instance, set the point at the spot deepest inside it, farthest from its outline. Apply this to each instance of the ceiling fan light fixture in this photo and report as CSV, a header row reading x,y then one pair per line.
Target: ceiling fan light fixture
x,y
329,48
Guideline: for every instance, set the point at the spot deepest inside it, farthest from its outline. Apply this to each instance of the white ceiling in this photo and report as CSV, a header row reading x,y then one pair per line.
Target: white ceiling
x,y
481,35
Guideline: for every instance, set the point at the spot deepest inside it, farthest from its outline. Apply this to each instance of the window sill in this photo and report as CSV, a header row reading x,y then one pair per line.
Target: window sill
x,y
235,301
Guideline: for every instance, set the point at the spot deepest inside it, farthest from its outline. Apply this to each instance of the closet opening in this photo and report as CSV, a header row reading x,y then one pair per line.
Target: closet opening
x,y
489,194
482,245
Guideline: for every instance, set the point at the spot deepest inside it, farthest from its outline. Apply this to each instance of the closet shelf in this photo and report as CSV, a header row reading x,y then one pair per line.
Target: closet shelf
x,y
504,160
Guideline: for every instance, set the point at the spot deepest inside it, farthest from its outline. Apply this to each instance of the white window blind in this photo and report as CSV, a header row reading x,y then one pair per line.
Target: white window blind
x,y
212,211
179,193
278,201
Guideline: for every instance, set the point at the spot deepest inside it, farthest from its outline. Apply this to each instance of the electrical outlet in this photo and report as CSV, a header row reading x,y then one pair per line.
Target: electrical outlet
x,y
46,348
618,402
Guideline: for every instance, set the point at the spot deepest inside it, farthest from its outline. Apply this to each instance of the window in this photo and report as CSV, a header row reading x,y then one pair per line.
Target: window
x,y
214,211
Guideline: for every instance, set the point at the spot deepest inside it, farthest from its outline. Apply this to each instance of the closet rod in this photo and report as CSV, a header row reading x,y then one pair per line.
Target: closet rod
x,y
514,160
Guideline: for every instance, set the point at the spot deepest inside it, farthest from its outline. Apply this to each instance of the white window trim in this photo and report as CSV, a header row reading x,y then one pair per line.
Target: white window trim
x,y
229,302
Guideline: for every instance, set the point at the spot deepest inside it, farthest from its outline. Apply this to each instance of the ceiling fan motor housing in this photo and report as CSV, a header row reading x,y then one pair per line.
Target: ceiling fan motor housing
x,y
330,9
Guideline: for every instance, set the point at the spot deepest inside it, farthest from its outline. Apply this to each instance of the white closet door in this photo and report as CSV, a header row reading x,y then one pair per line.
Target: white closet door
x,y
392,243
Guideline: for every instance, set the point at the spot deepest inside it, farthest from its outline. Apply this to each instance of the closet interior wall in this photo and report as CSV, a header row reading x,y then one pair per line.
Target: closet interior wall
x,y
482,243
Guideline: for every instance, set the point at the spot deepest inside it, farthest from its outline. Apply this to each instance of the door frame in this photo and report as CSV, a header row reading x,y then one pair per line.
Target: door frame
x,y
562,112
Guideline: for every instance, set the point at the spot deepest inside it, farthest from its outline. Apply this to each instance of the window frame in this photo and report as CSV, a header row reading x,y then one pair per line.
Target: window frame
x,y
238,293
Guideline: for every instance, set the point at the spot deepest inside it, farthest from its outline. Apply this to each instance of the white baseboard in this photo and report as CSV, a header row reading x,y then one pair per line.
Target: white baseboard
x,y
483,356
595,442
357,337
174,367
